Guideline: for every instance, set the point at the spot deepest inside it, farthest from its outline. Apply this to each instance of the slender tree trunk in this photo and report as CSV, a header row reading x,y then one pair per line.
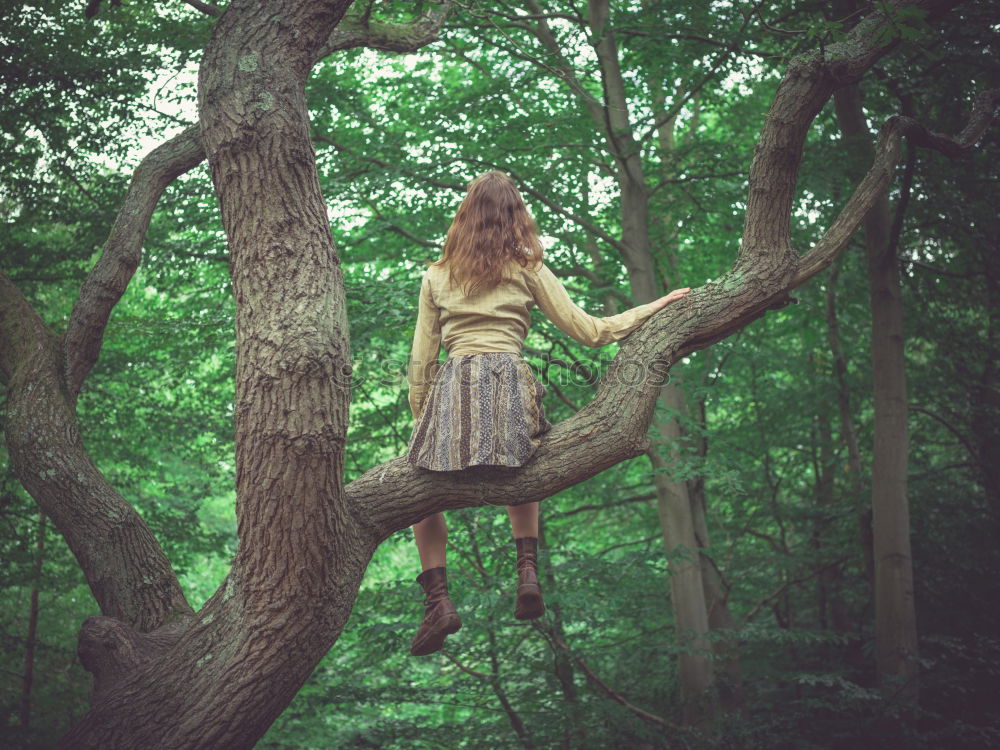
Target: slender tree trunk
x,y
574,734
984,395
895,616
27,677
847,431
728,669
727,673
687,590
610,116
833,611
673,500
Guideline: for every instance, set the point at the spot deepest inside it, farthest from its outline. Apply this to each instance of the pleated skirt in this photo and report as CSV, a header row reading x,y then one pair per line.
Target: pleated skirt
x,y
481,410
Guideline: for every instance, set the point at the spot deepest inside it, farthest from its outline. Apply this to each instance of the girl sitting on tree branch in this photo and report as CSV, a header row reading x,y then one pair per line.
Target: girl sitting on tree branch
x,y
483,405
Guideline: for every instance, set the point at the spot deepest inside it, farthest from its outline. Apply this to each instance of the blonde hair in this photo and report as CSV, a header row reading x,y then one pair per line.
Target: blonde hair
x,y
491,229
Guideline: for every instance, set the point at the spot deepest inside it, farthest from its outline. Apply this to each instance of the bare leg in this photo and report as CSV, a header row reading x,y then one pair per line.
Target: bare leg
x,y
524,520
432,538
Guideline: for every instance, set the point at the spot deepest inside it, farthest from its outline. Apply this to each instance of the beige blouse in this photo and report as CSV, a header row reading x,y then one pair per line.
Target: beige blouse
x,y
497,320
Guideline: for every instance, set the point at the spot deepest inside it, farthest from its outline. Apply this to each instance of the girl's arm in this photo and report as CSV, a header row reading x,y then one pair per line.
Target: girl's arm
x,y
424,363
553,300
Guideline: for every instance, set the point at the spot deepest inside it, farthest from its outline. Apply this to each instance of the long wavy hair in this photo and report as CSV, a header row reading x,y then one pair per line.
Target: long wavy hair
x,y
491,229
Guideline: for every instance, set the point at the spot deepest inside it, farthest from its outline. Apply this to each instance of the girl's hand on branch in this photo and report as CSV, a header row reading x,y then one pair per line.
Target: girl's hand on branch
x,y
675,295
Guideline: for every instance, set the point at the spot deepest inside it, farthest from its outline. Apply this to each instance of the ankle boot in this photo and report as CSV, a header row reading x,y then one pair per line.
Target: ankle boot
x,y
440,617
529,592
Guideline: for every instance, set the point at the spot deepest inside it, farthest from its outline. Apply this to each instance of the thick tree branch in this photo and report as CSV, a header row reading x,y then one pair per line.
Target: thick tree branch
x,y
129,575
360,31
22,331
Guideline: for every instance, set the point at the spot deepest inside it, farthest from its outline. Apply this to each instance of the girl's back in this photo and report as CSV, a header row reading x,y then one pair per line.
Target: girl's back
x,y
483,405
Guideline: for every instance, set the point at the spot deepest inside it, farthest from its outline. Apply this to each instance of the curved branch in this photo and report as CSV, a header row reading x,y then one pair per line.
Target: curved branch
x,y
109,278
887,154
616,697
127,572
361,31
808,83
966,443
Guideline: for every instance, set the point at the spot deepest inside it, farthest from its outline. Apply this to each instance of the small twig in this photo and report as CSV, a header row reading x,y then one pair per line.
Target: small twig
x,y
632,543
787,585
467,670
953,430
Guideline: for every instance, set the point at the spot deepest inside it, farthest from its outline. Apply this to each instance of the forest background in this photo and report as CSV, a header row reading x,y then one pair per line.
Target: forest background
x,y
768,434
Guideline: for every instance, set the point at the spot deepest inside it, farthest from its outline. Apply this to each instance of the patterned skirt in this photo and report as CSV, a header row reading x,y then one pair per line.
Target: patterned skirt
x,y
481,410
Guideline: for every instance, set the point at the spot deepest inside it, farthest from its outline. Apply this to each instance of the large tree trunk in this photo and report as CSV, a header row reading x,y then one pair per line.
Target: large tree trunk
x,y
895,616
234,669
726,672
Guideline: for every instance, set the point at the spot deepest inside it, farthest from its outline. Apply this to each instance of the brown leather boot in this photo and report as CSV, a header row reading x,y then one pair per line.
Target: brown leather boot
x,y
529,592
440,617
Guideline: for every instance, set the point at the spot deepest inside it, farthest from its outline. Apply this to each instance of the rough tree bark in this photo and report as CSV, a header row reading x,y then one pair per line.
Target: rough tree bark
x,y
169,678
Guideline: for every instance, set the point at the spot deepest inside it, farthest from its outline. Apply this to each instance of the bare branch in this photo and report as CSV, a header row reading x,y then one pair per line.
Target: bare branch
x,y
787,585
952,429
724,54
644,498
468,670
628,31
453,186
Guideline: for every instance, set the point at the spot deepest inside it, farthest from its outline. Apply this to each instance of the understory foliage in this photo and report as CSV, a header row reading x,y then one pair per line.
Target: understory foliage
x,y
397,138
